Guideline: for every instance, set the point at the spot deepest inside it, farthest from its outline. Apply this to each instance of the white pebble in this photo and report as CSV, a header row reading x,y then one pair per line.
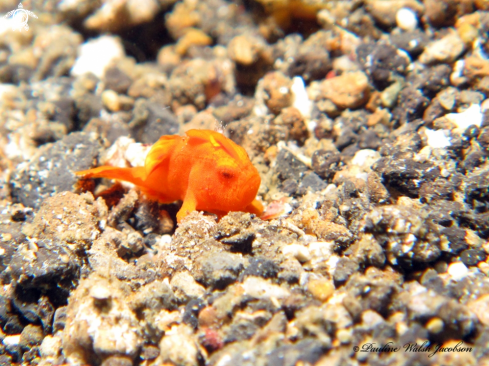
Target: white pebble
x,y
50,346
457,76
406,19
371,319
299,252
471,116
322,249
96,55
100,293
11,340
165,239
262,289
437,139
457,271
365,158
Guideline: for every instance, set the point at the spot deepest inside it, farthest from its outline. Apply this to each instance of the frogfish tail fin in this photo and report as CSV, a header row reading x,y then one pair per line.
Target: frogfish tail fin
x,y
134,175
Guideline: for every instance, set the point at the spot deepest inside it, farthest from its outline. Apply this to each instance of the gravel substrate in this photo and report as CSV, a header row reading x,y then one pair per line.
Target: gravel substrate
x,y
368,122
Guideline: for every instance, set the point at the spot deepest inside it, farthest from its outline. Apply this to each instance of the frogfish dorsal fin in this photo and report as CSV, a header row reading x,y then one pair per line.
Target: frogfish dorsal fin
x,y
217,140
160,152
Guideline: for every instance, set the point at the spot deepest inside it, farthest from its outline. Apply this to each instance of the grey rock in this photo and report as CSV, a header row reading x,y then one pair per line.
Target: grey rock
x,y
160,121
52,265
290,270
240,331
5,360
218,270
289,167
311,183
411,105
344,269
191,313
261,267
405,175
4,310
456,239
15,351
117,80
53,169
459,320
13,325
306,350
59,320
312,60
31,335
471,257
381,62
433,79
149,352
88,106
326,163
412,42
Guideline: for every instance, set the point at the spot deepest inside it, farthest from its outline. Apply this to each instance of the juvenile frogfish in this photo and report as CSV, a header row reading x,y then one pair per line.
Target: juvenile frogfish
x,y
204,169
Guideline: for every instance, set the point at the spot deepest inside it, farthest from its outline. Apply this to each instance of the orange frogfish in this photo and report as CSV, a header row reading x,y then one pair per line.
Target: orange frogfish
x,y
204,169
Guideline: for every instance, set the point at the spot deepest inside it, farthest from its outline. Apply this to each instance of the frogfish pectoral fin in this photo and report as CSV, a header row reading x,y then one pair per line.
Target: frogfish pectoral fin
x,y
255,207
189,205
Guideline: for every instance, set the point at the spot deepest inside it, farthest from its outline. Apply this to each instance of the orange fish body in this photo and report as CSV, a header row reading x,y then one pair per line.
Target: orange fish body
x,y
204,169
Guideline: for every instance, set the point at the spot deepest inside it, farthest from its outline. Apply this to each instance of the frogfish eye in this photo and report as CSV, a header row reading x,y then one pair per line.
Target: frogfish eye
x,y
227,174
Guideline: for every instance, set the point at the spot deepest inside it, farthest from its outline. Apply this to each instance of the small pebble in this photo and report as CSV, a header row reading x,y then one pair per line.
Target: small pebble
x,y
193,37
344,335
100,292
441,267
134,242
243,50
447,49
50,346
407,19
349,90
457,76
321,289
457,271
467,32
371,319
435,325
479,308
484,267
111,100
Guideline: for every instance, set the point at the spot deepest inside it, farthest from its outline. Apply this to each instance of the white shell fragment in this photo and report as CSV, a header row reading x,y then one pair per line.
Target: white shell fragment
x,y
96,55
437,139
471,116
301,99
